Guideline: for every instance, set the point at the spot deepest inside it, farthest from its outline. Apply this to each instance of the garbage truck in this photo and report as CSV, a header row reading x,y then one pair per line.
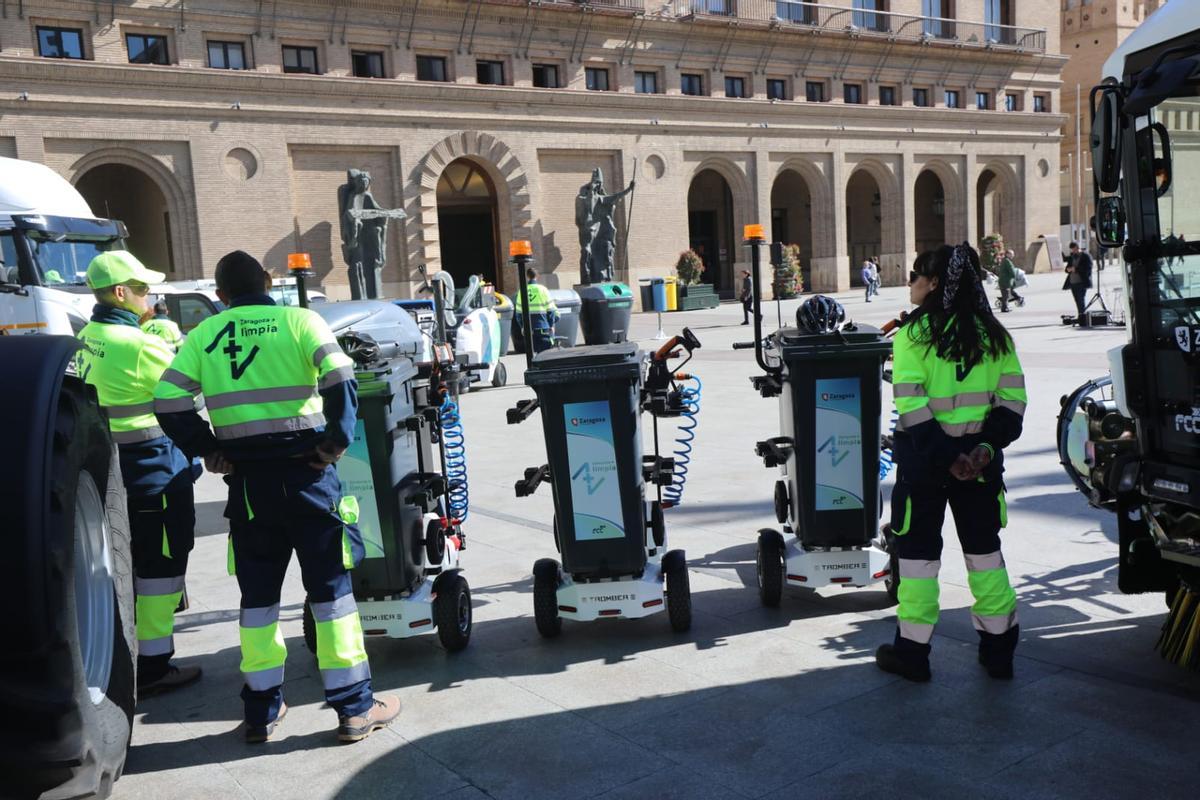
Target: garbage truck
x,y
1130,440
67,682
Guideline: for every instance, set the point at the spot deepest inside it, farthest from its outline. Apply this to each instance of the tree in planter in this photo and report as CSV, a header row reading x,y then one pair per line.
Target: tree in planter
x,y
794,251
991,252
689,268
785,281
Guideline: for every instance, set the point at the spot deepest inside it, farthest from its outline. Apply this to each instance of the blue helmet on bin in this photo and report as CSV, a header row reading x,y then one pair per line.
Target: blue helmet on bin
x,y
820,314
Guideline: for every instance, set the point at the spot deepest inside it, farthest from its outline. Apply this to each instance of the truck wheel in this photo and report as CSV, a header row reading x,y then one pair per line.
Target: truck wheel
x,y
545,598
310,628
679,591
452,611
500,375
68,681
769,566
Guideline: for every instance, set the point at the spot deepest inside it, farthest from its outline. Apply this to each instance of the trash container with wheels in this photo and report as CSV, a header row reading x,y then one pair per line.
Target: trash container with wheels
x,y
504,310
566,330
605,313
615,558
829,384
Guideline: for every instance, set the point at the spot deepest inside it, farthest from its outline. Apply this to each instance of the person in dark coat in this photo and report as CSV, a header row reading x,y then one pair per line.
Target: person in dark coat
x,y
1079,276
746,296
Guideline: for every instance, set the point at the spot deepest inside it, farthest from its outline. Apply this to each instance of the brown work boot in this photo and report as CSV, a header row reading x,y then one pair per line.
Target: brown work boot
x,y
175,678
257,734
385,709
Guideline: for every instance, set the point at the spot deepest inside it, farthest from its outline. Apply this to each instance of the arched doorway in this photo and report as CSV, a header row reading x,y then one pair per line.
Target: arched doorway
x,y
791,218
990,200
710,228
119,191
929,212
466,210
864,222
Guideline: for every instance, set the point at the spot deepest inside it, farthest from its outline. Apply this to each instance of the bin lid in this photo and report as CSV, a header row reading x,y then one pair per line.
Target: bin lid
x,y
565,298
865,341
590,362
416,303
604,291
384,322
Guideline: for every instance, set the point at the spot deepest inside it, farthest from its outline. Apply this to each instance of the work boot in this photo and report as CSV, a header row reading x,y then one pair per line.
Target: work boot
x,y
257,734
888,660
385,709
174,678
1002,671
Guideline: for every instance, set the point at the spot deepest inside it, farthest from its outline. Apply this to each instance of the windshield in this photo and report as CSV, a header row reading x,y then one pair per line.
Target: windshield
x,y
8,259
65,262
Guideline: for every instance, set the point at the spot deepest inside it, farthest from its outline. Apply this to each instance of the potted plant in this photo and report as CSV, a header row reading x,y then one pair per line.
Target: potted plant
x,y
785,281
689,268
991,252
691,293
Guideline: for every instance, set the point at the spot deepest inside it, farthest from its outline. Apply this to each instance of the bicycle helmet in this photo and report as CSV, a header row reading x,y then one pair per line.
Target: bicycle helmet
x,y
820,314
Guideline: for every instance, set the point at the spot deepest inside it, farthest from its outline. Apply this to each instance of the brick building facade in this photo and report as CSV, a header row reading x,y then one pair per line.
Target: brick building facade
x,y
853,128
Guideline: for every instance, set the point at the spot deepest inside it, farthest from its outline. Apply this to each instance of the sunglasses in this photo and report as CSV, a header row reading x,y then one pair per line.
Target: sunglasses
x,y
140,289
913,275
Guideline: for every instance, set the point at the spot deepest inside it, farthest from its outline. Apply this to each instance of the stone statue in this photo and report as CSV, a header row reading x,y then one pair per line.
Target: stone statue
x,y
364,234
597,231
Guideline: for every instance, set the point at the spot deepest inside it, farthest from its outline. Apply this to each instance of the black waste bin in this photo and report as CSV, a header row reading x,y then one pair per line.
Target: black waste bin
x,y
605,313
382,460
567,328
589,400
830,409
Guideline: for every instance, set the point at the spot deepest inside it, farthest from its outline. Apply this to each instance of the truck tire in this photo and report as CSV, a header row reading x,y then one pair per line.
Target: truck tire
x,y
67,681
452,610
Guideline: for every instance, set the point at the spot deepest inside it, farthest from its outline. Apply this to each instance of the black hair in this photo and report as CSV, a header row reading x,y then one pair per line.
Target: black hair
x,y
239,273
531,273
160,308
967,331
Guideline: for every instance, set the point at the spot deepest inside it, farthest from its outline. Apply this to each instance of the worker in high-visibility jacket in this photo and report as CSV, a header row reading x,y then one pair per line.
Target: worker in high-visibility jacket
x,y
543,314
124,363
960,394
282,398
164,327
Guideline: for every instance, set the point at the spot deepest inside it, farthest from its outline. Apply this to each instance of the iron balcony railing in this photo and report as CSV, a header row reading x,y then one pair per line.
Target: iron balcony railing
x,y
864,22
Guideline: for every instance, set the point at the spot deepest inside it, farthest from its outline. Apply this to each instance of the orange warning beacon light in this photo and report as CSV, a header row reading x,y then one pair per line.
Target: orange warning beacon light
x,y
519,247
299,261
753,232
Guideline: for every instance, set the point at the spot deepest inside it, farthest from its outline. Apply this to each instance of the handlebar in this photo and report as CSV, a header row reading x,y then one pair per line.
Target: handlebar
x,y
743,345
687,339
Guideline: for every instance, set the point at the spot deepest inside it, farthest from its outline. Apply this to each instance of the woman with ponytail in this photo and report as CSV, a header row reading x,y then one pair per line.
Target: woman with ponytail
x,y
960,394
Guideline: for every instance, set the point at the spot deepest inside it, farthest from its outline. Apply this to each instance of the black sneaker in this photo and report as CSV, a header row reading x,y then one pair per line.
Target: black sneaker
x,y
175,678
1001,672
257,734
888,660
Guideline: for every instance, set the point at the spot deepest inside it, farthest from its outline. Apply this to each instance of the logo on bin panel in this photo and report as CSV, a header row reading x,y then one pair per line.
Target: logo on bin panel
x,y
608,598
579,422
593,483
827,396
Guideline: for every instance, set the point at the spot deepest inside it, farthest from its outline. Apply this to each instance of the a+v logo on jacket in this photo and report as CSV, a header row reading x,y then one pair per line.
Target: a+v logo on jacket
x,y
236,369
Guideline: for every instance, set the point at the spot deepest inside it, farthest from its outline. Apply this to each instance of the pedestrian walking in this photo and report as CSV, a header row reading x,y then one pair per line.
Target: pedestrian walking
x,y
1018,279
1079,278
960,394
1006,273
867,278
124,363
746,296
282,398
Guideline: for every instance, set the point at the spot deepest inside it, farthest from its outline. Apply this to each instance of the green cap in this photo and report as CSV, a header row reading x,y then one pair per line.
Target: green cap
x,y
119,266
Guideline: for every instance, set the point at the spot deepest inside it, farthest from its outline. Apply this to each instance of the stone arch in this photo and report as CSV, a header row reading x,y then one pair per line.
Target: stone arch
x,y
726,228
1010,210
514,213
184,237
807,226
955,219
893,259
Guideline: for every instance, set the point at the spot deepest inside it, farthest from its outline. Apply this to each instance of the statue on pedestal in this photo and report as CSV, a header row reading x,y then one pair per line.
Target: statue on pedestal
x,y
364,234
597,231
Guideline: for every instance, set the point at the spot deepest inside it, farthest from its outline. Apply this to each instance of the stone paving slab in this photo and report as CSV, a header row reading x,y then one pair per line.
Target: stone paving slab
x,y
752,702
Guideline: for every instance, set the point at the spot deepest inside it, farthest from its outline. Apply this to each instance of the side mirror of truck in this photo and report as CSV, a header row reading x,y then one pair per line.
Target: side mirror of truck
x,y
1106,138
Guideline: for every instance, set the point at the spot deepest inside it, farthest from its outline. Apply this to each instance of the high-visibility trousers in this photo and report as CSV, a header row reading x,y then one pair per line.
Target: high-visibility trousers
x,y
980,512
273,509
162,531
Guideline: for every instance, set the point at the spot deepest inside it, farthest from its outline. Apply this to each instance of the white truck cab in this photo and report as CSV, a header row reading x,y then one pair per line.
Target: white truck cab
x,y
48,235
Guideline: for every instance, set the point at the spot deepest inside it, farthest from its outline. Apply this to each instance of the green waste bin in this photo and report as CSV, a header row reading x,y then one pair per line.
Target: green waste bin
x,y
605,313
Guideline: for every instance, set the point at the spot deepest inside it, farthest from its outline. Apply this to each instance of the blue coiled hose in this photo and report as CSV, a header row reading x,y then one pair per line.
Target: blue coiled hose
x,y
886,464
673,494
454,445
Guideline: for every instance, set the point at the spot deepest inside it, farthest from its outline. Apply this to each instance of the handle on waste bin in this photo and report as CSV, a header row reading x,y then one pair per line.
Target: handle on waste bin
x,y
743,345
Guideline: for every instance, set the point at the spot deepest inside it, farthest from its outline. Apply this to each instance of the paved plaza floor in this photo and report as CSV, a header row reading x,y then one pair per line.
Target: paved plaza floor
x,y
752,702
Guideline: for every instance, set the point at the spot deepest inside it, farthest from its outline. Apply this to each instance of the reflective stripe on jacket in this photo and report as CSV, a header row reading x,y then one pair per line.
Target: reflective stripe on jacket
x,y
124,363
540,301
259,369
